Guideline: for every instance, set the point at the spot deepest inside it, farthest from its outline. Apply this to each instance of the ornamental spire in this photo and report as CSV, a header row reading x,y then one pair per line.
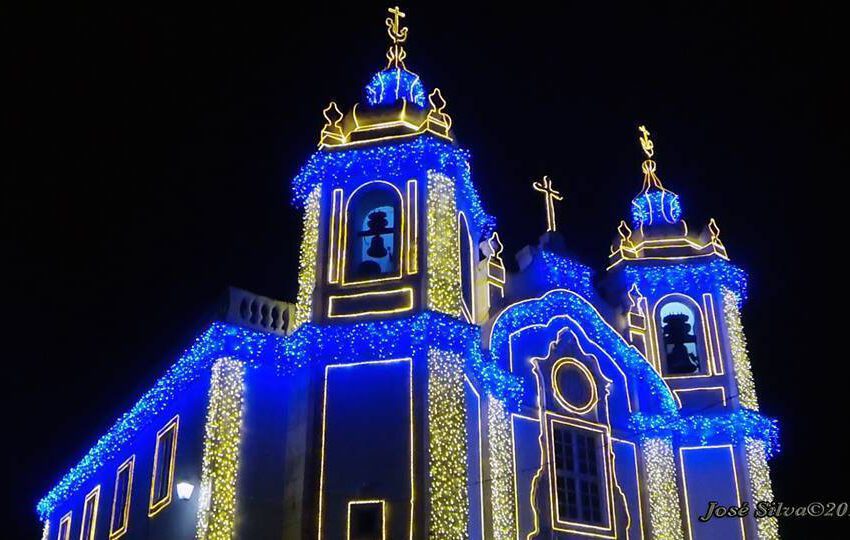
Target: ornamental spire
x,y
654,204
649,177
398,34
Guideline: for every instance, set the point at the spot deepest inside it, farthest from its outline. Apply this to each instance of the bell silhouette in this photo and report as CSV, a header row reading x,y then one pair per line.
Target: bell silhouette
x,y
377,250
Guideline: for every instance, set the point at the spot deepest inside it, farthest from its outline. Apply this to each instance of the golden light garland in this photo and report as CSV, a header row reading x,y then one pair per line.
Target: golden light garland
x,y
217,497
444,290
447,445
307,258
501,482
768,527
740,358
665,514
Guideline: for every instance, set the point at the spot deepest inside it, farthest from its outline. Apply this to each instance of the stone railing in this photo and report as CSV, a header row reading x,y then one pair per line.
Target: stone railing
x,y
258,312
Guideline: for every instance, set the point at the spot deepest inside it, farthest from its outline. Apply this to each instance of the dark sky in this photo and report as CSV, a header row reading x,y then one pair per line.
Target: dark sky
x,y
152,151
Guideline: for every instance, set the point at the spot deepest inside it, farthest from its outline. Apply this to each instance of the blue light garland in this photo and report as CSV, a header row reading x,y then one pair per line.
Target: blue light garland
x,y
395,338
562,271
557,302
390,85
332,344
656,206
218,341
687,277
402,161
711,428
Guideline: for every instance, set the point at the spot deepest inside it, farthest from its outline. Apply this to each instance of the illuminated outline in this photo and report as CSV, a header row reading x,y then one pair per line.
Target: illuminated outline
x,y
125,512
685,483
556,390
383,504
156,506
95,493
604,434
412,226
468,311
571,330
335,236
638,480
701,389
406,291
65,526
400,234
702,335
324,426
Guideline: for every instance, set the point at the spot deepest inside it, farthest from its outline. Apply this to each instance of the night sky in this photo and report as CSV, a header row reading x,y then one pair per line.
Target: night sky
x,y
152,150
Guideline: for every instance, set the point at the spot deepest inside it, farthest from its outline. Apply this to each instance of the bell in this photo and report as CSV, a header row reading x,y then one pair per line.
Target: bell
x,y
377,250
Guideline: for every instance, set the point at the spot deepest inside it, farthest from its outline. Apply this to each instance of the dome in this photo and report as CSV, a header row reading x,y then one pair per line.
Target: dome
x,y
393,84
655,205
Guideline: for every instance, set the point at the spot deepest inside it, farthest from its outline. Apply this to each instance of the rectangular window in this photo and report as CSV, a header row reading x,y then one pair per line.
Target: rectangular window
x,y
366,520
163,466
121,500
90,514
578,482
65,527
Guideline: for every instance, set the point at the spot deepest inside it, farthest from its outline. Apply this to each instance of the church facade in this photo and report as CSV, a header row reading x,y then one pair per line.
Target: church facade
x,y
417,389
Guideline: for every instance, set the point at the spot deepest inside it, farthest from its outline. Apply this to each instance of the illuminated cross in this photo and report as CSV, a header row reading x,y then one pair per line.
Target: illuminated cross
x,y
646,143
398,34
551,196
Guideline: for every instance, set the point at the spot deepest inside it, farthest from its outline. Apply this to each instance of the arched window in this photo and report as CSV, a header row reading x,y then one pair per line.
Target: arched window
x,y
681,345
467,267
374,232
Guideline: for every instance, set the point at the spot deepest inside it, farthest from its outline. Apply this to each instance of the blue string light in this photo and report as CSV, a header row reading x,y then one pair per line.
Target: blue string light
x,y
655,207
707,429
692,278
557,302
562,271
390,85
348,169
333,344
218,341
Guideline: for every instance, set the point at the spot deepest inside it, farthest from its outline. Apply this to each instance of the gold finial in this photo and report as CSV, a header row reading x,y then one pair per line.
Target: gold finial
x,y
438,120
646,143
714,230
398,34
332,130
551,196
625,234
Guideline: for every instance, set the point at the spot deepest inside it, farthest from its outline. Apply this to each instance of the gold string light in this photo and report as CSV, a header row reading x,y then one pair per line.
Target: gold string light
x,y
444,291
217,496
447,445
307,258
501,483
740,359
768,527
665,514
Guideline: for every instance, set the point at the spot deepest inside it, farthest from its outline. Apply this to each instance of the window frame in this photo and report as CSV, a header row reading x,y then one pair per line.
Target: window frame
x,y
347,276
65,523
367,502
155,505
606,528
699,330
93,494
469,254
128,465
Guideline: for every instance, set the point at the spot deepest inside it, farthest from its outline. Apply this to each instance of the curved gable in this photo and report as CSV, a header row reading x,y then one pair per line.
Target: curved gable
x,y
561,309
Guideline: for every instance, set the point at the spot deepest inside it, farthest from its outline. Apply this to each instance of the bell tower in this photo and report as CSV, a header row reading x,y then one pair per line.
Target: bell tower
x,y
389,205
682,301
